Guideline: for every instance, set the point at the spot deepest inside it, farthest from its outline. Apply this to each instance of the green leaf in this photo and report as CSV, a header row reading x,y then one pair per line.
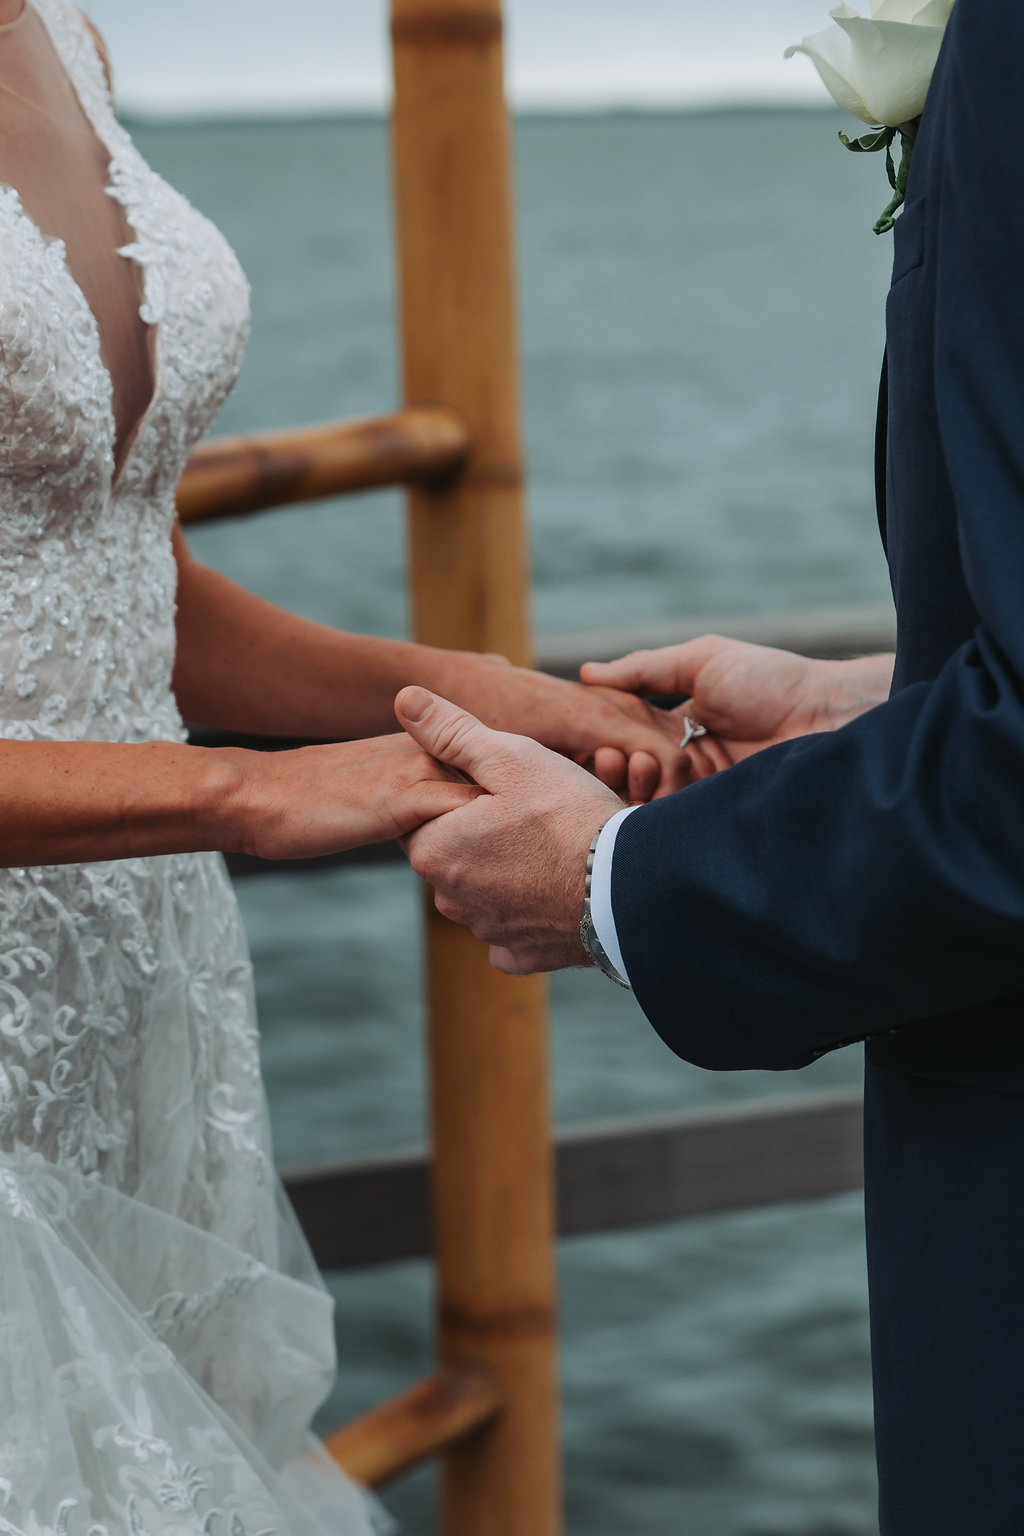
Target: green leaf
x,y
881,138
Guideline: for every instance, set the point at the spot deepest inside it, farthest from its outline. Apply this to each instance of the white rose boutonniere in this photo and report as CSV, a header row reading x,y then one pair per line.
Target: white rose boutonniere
x,y
878,68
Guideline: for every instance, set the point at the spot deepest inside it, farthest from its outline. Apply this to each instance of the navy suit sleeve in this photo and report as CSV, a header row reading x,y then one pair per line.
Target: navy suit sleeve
x,y
845,884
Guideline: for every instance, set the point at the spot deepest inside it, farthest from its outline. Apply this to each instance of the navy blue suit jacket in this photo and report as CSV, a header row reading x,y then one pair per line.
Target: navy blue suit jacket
x,y
870,882
841,885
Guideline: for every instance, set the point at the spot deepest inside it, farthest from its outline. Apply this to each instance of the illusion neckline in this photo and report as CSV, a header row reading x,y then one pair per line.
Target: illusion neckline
x,y
121,453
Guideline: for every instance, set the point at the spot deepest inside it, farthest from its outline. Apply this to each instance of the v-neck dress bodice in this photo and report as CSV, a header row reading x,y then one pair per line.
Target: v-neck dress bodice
x,y
86,575
164,1337
53,151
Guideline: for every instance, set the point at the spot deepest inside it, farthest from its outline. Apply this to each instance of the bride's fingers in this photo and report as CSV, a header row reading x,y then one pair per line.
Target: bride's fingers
x,y
437,797
707,756
511,964
643,778
611,767
713,717
425,802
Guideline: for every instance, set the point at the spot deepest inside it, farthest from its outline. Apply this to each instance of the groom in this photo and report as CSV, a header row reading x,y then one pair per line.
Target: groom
x,y
859,882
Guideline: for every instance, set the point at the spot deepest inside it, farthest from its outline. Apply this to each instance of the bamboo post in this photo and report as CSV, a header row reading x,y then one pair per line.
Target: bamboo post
x,y
493,1198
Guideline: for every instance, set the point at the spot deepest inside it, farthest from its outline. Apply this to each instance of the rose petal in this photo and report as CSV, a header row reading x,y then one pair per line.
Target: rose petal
x,y
935,14
920,13
830,53
895,10
891,66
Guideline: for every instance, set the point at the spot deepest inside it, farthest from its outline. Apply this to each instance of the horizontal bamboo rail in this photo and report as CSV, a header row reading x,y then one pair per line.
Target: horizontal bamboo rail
x,y
431,1417
609,1177
234,476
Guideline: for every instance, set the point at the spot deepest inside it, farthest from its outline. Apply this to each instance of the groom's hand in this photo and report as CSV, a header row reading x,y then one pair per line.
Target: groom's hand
x,y
747,696
512,867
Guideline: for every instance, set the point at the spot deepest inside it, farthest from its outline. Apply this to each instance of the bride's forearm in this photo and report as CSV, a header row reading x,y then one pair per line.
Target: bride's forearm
x,y
84,802
243,664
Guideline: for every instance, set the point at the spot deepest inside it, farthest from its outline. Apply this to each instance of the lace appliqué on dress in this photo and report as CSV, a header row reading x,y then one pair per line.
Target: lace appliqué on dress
x,y
164,1338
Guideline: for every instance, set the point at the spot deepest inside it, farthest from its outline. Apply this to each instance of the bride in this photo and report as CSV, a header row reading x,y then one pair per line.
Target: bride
x,y
164,1339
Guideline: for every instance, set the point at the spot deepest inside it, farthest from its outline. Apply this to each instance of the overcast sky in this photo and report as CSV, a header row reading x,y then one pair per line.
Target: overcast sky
x,y
231,55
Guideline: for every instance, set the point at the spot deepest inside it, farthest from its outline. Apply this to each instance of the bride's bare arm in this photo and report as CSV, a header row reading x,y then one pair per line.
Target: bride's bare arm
x,y
84,802
243,664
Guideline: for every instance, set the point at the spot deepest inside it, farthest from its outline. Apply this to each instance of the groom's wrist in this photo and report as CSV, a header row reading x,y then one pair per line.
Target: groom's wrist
x,y
597,921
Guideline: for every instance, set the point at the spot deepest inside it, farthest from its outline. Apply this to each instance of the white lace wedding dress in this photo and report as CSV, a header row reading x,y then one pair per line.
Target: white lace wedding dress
x,y
164,1338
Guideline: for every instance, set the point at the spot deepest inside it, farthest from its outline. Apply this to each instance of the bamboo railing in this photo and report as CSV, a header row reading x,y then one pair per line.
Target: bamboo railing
x,y
482,1204
235,476
446,1410
610,1177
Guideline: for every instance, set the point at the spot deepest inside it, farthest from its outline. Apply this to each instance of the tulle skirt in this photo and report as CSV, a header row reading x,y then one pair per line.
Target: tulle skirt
x,y
164,1336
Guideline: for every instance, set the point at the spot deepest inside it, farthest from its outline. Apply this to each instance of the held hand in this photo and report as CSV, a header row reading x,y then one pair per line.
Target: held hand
x,y
631,746
511,866
748,696
321,800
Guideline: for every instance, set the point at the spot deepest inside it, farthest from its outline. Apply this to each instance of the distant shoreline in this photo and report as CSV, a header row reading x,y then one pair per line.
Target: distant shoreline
x,y
136,118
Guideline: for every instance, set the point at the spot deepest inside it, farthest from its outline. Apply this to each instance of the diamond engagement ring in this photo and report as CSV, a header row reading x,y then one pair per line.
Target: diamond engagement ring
x,y
693,730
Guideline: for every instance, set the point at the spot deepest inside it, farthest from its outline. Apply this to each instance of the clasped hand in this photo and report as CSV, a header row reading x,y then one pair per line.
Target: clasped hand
x,y
325,799
510,865
499,824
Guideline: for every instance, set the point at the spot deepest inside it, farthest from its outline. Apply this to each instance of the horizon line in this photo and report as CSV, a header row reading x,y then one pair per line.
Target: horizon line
x,y
239,115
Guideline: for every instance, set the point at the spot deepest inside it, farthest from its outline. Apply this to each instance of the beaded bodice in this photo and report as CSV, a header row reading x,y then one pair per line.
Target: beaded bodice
x,y
87,578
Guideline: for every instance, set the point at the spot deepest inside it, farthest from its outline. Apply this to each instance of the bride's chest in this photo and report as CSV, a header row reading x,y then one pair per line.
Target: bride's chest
x,y
56,415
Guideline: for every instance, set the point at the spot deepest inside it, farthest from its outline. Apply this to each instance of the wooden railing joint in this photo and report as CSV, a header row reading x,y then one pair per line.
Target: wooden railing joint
x,y
444,1411
504,1325
446,29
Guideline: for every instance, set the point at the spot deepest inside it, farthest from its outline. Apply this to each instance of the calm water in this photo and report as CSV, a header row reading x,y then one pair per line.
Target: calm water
x,y
702,302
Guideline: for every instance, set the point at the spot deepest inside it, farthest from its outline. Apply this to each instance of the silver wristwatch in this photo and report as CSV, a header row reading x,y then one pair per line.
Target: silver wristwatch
x,y
588,933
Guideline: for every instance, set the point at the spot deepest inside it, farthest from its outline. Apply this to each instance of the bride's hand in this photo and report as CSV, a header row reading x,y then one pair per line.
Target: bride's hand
x,y
747,696
631,746
320,800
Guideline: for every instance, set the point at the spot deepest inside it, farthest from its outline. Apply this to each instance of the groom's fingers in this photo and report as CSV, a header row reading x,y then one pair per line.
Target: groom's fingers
x,y
639,672
451,735
673,669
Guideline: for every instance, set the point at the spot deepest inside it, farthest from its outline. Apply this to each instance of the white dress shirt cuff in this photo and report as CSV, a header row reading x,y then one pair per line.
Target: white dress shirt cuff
x,y
601,912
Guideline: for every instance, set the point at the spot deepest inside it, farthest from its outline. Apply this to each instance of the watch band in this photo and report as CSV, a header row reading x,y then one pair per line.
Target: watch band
x,y
588,933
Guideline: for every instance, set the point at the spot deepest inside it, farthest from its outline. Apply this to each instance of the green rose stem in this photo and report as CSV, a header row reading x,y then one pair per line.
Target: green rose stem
x,y
882,138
